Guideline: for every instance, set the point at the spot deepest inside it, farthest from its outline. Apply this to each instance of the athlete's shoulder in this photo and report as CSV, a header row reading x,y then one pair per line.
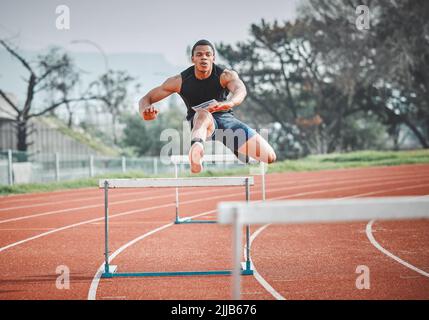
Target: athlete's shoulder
x,y
227,76
173,83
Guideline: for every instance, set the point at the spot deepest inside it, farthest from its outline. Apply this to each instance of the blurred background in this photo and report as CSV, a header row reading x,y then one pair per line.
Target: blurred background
x,y
324,77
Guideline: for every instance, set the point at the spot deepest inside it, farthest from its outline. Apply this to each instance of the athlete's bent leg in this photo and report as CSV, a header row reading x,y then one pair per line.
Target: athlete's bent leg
x,y
203,127
258,148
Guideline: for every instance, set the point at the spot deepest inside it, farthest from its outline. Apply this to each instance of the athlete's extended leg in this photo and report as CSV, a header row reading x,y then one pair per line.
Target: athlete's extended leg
x,y
203,127
258,148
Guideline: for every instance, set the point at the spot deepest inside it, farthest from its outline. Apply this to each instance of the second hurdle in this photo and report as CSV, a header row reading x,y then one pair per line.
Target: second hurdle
x,y
210,158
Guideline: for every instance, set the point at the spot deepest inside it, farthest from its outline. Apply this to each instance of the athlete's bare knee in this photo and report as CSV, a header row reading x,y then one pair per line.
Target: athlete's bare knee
x,y
268,155
271,157
203,114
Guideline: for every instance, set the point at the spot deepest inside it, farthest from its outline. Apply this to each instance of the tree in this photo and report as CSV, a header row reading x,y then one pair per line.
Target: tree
x,y
144,136
112,91
382,69
47,73
320,76
62,84
287,81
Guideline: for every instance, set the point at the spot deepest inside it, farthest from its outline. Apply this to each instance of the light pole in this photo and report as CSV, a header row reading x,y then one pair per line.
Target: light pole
x,y
98,47
106,63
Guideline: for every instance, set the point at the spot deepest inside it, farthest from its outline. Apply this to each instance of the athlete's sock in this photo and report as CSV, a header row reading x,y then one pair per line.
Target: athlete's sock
x,y
195,140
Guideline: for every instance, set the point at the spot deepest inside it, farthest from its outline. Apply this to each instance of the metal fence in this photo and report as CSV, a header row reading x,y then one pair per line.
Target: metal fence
x,y
17,167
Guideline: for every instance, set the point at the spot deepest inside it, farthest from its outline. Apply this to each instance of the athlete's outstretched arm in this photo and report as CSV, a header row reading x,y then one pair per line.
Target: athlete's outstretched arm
x,y
170,86
232,81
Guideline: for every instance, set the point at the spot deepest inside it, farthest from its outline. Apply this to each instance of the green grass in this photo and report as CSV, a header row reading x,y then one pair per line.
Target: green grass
x,y
352,160
311,163
75,184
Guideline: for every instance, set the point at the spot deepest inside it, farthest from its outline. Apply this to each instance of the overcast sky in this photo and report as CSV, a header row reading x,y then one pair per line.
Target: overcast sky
x,y
165,26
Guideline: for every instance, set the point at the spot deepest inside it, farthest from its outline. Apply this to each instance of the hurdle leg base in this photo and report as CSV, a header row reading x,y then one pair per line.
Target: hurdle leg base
x,y
114,274
174,274
181,220
190,220
246,269
110,273
170,273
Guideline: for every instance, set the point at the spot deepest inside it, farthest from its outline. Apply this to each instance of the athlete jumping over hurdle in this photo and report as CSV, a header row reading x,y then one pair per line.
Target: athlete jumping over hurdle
x,y
200,83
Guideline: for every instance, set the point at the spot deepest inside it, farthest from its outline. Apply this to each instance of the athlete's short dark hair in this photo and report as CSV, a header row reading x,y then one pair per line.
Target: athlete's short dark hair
x,y
202,43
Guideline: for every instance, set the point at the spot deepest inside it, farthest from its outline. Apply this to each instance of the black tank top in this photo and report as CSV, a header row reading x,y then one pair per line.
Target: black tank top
x,y
195,91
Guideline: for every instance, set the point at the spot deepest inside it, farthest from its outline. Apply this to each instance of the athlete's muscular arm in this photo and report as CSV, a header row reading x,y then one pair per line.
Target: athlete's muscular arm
x,y
231,80
170,86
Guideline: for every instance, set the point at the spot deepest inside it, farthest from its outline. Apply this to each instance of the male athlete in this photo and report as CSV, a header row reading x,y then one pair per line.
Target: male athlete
x,y
202,82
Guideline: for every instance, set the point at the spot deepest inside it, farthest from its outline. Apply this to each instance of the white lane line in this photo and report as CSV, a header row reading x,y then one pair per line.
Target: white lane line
x,y
132,212
131,193
26,229
344,188
47,233
95,282
126,213
388,253
115,216
329,183
92,293
99,197
172,204
264,283
275,293
130,223
42,195
256,274
98,205
390,190
142,192
50,213
370,223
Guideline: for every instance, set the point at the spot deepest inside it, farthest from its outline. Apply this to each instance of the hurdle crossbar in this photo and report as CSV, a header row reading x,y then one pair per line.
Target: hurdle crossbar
x,y
217,158
110,271
315,211
184,159
176,182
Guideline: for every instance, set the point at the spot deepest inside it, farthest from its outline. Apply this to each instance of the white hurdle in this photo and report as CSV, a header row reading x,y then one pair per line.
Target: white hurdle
x,y
216,158
314,211
106,184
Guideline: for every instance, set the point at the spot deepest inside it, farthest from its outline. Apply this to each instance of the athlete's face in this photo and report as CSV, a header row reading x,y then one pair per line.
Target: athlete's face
x,y
203,58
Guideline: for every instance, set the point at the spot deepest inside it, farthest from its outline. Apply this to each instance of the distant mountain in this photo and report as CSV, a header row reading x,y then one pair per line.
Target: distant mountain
x,y
150,69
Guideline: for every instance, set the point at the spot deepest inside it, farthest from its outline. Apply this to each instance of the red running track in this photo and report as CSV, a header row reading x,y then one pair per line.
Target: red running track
x,y
40,232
